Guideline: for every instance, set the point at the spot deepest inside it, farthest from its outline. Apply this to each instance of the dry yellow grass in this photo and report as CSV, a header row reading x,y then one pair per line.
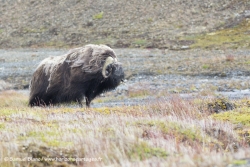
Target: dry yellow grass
x,y
168,133
11,98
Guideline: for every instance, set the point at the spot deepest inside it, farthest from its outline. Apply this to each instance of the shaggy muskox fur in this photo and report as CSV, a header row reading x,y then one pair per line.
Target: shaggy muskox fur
x,y
83,72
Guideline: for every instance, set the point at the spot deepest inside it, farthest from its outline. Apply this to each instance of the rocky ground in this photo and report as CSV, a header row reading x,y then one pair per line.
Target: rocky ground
x,y
133,23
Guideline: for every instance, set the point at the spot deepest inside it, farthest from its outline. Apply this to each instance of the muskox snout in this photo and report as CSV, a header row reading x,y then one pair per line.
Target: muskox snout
x,y
119,71
118,74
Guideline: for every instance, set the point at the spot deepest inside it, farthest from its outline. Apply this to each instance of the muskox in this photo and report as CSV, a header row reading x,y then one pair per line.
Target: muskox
x,y
84,72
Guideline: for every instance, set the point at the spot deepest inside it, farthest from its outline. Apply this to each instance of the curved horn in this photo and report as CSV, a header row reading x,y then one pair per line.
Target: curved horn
x,y
108,61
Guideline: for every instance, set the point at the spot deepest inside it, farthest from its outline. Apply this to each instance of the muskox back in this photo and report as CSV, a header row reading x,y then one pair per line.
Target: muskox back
x,y
83,72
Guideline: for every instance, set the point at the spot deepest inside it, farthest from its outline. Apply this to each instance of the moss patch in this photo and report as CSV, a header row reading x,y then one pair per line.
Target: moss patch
x,y
143,151
234,37
240,115
98,16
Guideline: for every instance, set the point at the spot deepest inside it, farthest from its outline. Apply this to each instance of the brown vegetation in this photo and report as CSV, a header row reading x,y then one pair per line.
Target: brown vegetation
x,y
173,132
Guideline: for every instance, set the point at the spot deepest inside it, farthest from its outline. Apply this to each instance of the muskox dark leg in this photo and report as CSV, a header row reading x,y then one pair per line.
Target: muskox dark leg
x,y
87,102
89,98
79,101
37,102
80,104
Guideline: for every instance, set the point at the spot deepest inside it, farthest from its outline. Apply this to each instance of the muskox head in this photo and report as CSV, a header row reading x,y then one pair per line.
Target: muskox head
x,y
83,72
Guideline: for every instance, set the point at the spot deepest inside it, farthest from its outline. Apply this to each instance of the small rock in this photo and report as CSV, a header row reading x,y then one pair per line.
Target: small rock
x,y
223,74
184,47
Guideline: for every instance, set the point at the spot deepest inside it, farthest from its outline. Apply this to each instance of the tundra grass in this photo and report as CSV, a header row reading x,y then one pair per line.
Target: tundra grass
x,y
175,132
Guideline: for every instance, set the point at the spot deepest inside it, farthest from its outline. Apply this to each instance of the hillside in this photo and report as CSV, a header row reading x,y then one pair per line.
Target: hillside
x,y
162,24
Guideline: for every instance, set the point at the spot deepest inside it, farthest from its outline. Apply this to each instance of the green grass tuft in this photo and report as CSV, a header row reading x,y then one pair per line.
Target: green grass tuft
x,y
98,16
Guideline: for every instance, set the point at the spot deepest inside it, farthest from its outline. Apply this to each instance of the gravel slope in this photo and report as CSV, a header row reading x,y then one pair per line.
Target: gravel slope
x,y
120,23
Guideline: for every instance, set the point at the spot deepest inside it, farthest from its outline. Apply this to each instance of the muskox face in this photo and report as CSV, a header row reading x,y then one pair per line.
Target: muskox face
x,y
114,74
83,72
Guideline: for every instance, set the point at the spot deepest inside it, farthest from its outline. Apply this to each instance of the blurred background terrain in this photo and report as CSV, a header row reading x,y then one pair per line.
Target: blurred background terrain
x,y
172,24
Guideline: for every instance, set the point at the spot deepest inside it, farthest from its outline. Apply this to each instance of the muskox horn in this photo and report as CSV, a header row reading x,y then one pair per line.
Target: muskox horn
x,y
108,61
